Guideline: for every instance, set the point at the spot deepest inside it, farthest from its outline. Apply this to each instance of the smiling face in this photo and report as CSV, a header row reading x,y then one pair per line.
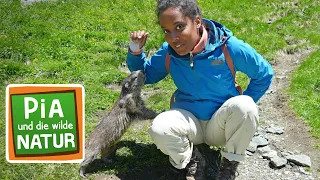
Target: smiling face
x,y
181,32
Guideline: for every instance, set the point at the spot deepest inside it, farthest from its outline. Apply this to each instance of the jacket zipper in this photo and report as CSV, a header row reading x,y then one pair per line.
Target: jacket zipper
x,y
191,59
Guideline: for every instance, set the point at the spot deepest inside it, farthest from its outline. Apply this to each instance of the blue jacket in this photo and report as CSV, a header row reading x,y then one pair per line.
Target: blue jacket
x,y
203,89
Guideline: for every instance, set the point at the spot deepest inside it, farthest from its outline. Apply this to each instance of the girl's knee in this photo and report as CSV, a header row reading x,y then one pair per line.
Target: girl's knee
x,y
169,130
244,111
243,105
172,122
159,126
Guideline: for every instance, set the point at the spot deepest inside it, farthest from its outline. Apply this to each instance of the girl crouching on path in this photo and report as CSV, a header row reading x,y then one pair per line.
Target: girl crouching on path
x,y
207,107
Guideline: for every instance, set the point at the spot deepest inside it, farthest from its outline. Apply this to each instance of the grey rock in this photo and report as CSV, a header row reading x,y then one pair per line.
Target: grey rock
x,y
260,141
303,171
281,77
275,130
248,153
301,160
263,150
252,147
288,166
269,155
278,162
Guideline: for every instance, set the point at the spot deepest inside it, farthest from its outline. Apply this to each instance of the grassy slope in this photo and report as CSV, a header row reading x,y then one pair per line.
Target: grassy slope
x,y
305,86
305,91
84,42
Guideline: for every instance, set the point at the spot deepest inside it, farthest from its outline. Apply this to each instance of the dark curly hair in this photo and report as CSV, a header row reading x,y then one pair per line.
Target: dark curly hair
x,y
188,8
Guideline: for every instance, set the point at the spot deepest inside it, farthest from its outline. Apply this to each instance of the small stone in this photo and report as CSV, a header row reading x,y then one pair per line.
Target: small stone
x,y
301,160
288,165
263,150
281,77
278,162
248,153
303,171
287,172
28,62
252,147
275,130
270,91
269,155
260,141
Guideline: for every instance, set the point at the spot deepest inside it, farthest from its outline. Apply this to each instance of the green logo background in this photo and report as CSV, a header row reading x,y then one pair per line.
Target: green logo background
x,y
67,102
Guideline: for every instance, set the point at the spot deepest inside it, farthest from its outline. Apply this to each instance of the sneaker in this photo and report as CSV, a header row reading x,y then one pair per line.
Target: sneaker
x,y
227,170
196,166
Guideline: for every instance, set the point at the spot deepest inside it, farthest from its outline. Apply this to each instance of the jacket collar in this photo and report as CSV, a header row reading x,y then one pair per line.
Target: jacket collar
x,y
198,48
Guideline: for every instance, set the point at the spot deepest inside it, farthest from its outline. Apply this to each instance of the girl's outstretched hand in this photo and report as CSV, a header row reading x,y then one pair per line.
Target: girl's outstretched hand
x,y
137,40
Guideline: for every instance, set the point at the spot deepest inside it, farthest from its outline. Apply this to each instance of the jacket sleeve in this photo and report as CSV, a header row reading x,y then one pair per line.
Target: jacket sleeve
x,y
154,67
248,61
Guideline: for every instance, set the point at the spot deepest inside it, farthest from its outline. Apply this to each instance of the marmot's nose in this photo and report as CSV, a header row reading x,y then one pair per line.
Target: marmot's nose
x,y
140,73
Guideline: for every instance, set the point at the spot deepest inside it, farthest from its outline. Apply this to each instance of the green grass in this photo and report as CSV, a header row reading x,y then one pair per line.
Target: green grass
x,y
305,91
86,41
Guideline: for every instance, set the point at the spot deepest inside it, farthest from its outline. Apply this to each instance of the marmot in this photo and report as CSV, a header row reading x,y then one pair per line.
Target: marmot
x,y
128,107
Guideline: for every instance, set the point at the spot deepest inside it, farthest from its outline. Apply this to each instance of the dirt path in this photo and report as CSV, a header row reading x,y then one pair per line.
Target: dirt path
x,y
296,139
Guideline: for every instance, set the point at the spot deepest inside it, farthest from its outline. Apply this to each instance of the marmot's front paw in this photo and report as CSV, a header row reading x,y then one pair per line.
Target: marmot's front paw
x,y
82,173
